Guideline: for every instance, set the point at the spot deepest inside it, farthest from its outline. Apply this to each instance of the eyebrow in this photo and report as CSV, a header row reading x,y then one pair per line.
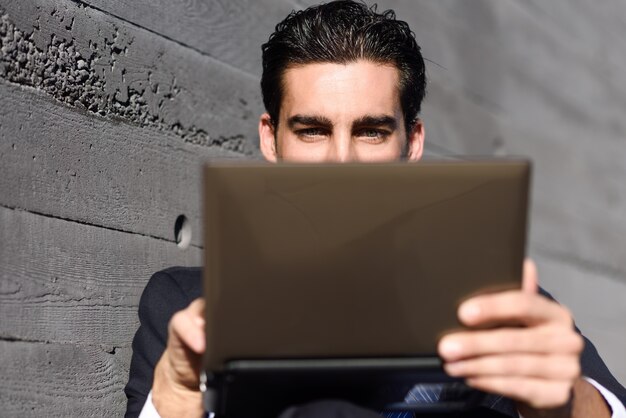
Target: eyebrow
x,y
369,120
387,121
309,120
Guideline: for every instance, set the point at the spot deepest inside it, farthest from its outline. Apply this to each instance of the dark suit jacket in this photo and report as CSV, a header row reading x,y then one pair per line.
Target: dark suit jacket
x,y
171,290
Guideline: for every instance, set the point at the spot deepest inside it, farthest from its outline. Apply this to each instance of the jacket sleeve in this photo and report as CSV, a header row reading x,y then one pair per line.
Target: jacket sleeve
x,y
593,367
162,297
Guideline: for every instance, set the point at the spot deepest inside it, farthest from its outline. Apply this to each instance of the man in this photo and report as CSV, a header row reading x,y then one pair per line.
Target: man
x,y
343,83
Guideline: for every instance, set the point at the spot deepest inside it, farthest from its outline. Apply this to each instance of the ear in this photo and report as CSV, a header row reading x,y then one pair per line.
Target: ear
x,y
416,141
267,138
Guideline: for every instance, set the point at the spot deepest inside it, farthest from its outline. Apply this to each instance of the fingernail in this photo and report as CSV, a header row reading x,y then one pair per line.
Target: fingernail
x,y
450,348
199,344
469,311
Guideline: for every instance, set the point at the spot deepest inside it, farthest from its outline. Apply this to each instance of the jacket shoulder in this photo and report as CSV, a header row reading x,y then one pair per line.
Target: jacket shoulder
x,y
187,279
167,292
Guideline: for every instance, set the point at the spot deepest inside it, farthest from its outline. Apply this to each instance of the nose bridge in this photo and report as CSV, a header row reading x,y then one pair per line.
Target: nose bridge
x,y
343,146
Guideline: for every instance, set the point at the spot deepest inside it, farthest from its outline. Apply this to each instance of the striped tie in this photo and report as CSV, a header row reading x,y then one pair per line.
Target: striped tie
x,y
433,393
419,394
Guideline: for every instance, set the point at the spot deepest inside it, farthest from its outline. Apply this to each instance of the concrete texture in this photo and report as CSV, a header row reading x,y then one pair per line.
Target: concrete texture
x,y
230,31
108,109
88,59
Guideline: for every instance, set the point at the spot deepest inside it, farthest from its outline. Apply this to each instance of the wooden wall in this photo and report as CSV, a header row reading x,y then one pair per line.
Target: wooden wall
x,y
108,108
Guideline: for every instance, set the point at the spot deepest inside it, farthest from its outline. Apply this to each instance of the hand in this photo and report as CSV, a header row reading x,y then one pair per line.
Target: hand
x,y
530,351
175,389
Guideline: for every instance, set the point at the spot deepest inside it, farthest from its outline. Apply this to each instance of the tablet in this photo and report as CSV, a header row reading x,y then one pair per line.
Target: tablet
x,y
353,264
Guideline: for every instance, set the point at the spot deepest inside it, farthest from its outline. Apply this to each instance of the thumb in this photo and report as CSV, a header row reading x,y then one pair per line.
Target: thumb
x,y
529,280
186,328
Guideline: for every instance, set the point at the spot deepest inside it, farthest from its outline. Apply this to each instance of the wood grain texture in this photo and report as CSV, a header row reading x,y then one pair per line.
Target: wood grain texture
x,y
62,380
230,31
66,163
89,59
67,282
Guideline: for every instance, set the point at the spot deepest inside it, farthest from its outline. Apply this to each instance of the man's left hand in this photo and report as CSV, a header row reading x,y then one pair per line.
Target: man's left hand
x,y
519,344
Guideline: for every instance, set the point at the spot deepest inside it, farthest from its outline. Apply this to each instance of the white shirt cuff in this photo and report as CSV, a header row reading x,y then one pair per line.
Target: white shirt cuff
x,y
148,410
619,411
617,407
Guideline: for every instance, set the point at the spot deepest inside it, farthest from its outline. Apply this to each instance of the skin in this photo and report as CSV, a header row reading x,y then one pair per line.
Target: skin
x,y
340,113
516,343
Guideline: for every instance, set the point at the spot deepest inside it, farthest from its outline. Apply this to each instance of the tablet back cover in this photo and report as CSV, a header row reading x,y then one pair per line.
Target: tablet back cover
x,y
354,260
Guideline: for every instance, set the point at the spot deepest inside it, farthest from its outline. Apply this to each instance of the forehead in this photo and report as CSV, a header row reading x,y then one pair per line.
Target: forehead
x,y
341,91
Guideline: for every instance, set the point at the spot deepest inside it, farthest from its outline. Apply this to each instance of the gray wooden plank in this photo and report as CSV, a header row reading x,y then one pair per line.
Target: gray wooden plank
x,y
64,162
230,31
67,282
62,380
579,199
92,60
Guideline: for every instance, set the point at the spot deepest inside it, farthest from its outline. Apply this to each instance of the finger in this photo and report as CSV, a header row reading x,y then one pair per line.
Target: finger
x,y
512,307
196,311
530,279
544,340
538,393
186,327
556,367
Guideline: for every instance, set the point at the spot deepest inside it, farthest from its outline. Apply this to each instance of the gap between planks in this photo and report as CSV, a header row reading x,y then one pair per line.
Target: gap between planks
x,y
47,215
110,349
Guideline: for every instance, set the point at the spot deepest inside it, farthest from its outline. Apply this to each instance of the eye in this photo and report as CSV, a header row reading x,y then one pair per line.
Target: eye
x,y
373,135
311,134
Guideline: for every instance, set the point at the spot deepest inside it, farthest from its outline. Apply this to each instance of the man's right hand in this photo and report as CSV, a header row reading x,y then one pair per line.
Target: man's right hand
x,y
175,389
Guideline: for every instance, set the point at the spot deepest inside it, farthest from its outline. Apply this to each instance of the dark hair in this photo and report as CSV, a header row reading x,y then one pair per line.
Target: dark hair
x,y
343,31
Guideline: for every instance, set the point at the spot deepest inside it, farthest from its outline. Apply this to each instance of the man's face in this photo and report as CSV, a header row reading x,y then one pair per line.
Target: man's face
x,y
340,113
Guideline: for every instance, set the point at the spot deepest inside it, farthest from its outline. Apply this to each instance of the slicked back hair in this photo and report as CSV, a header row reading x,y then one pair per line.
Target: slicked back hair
x,y
343,32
